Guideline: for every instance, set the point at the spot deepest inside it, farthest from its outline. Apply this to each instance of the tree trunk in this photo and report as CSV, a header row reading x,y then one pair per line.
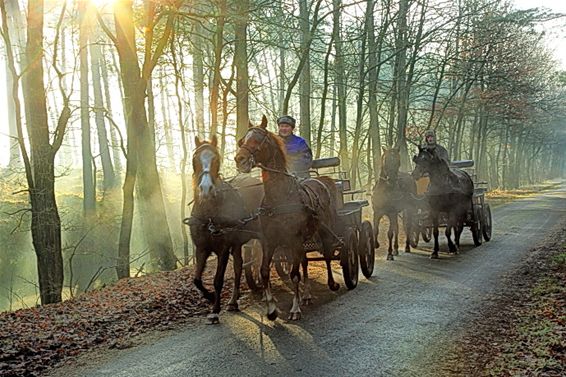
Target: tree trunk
x,y
198,75
39,167
116,144
359,109
107,167
241,62
218,45
373,75
341,85
89,190
164,95
305,83
141,151
323,100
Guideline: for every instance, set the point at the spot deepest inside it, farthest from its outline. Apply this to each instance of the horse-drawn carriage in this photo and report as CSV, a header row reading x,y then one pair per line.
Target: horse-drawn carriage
x,y
355,246
477,216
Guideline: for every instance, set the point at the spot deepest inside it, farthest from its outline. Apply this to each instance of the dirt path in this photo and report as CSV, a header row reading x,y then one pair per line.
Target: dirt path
x,y
402,322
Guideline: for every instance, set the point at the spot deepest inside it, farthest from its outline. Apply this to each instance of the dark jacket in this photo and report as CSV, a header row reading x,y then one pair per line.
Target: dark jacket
x,y
440,151
299,155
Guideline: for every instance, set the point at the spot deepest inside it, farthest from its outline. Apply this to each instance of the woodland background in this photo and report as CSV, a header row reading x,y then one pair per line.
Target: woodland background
x,y
104,99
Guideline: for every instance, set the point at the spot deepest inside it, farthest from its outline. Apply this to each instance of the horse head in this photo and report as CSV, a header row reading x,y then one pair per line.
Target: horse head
x,y
426,161
260,147
206,168
390,162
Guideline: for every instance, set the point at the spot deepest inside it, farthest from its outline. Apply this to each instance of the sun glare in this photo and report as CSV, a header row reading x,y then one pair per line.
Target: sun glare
x,y
102,3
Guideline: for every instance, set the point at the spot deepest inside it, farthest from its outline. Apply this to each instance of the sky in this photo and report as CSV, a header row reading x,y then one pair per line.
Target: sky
x,y
556,30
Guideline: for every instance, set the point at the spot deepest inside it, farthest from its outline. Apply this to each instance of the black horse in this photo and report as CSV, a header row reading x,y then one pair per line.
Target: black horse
x,y
450,192
218,222
393,192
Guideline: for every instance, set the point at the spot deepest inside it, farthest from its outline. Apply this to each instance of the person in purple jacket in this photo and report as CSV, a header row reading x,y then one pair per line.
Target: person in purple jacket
x,y
299,155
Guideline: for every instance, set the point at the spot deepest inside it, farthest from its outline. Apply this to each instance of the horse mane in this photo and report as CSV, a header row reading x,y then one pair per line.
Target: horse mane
x,y
280,144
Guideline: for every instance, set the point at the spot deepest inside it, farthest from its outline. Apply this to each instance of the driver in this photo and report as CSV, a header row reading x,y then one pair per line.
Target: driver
x,y
299,155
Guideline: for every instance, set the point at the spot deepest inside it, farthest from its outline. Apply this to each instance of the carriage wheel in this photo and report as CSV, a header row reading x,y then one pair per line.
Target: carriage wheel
x,y
349,259
426,233
282,264
252,264
486,223
476,226
366,249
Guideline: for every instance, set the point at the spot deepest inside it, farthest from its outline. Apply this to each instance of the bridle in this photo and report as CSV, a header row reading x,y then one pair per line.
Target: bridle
x,y
253,151
258,146
205,171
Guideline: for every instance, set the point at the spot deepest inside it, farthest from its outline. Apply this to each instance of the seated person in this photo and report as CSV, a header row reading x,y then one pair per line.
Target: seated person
x,y
430,143
299,155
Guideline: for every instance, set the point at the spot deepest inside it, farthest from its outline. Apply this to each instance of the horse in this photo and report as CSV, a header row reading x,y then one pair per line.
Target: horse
x,y
393,192
220,222
291,213
450,191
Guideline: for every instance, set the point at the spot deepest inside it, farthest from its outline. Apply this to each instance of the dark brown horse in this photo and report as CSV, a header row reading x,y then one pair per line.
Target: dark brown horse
x,y
291,213
217,223
450,192
393,192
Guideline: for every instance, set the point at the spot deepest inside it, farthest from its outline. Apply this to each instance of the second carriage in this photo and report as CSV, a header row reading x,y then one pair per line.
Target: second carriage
x,y
355,246
478,219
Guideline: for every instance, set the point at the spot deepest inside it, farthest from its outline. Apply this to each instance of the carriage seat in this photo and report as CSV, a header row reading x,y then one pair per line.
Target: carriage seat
x,y
326,162
462,164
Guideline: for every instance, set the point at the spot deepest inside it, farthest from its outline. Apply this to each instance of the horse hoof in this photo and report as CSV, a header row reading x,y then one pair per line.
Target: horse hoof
x,y
407,250
233,308
213,319
395,252
272,316
377,244
295,316
334,287
390,257
434,256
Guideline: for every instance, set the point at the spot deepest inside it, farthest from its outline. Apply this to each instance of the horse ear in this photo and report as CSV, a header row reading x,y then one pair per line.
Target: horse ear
x,y
214,140
263,122
383,148
198,143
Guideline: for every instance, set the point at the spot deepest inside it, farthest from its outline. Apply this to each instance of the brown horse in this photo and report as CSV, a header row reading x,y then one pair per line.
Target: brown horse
x,y
292,212
450,192
393,192
217,223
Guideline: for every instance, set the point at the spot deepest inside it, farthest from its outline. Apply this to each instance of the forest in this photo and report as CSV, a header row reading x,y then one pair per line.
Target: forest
x,y
103,100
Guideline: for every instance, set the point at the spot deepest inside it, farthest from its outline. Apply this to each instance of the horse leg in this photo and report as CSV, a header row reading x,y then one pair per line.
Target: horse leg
x,y
408,222
307,296
452,223
434,254
238,262
376,220
298,256
328,248
395,223
390,252
201,256
459,231
264,272
218,283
